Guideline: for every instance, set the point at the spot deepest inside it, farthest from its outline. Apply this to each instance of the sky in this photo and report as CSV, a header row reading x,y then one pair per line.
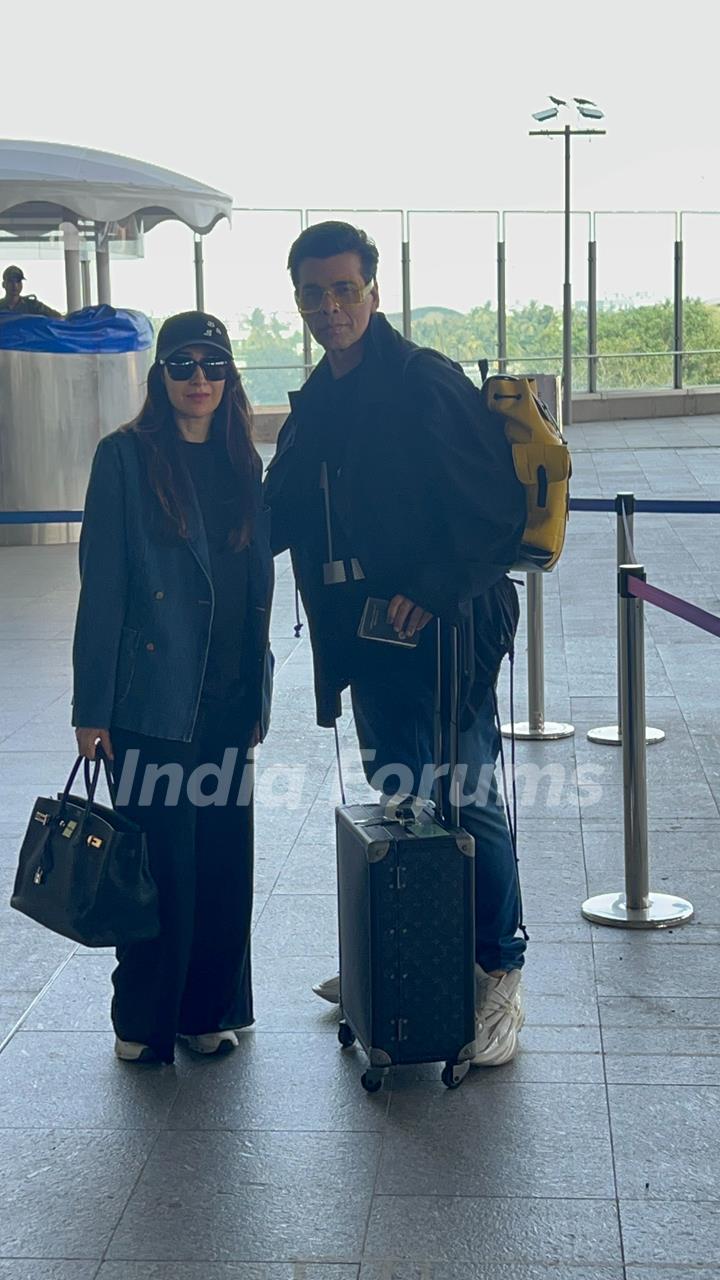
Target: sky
x,y
384,105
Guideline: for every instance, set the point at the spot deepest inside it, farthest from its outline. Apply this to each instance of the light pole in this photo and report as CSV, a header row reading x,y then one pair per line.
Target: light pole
x,y
589,111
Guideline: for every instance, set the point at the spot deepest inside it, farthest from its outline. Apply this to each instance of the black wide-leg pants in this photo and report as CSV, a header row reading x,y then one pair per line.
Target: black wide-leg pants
x,y
195,977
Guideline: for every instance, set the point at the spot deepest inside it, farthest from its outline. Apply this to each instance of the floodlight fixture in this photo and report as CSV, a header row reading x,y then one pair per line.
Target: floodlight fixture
x,y
589,110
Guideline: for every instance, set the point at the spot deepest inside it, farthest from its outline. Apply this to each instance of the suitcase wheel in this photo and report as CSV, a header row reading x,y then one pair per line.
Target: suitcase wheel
x,y
372,1081
346,1035
453,1073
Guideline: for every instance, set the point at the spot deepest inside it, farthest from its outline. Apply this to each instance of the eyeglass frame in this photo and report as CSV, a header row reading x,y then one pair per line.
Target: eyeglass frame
x,y
341,302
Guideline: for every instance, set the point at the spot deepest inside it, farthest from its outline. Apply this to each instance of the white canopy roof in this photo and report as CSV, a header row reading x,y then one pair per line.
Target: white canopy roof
x,y
44,182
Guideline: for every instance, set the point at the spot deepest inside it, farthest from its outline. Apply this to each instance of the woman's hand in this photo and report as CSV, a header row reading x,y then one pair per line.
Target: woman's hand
x,y
87,740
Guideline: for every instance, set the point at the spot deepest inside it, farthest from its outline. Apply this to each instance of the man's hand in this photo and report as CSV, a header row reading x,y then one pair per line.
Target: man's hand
x,y
87,740
407,617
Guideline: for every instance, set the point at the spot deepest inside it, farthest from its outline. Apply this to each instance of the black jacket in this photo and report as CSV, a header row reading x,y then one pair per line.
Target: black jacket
x,y
431,504
146,605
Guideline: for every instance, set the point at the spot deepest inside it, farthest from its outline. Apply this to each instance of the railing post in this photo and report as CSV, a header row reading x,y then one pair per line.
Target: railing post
x,y
536,726
501,306
592,315
610,735
678,318
637,908
406,296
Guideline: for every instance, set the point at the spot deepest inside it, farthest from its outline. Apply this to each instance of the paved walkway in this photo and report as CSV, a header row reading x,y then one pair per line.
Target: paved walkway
x,y
595,1155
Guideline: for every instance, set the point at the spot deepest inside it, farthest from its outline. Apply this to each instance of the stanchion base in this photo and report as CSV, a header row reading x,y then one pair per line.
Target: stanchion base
x,y
527,732
663,911
609,735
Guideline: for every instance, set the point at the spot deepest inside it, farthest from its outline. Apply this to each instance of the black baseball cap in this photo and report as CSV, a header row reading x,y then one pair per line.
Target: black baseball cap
x,y
190,328
13,271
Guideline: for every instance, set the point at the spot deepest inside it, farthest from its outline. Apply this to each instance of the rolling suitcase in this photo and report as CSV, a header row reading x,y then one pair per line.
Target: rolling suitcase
x,y
406,915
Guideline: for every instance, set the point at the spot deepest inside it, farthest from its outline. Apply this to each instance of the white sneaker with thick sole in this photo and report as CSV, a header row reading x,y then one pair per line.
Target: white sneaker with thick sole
x,y
329,989
133,1051
211,1042
499,1017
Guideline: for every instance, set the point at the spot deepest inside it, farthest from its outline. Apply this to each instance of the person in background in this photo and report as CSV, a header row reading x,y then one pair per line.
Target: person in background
x,y
15,304
388,482
172,670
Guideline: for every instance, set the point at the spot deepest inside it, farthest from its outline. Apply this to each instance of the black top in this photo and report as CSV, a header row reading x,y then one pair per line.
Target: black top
x,y
429,498
216,488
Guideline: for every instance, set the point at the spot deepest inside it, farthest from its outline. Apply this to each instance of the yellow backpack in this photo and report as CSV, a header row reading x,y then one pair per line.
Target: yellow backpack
x,y
542,463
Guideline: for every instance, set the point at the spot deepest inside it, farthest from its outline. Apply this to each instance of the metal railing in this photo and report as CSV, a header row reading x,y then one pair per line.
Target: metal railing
x,y
487,252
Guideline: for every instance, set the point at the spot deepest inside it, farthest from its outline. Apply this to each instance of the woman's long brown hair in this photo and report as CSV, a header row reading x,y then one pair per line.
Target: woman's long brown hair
x,y
158,436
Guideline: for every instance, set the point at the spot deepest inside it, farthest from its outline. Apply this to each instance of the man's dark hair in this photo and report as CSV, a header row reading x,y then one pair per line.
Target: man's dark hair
x,y
325,239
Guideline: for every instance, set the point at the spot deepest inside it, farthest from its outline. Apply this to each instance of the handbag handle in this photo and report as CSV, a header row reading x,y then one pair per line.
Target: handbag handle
x,y
100,756
90,786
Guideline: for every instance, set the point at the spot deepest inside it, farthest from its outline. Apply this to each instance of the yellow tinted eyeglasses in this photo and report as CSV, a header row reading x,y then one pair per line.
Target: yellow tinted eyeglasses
x,y
310,297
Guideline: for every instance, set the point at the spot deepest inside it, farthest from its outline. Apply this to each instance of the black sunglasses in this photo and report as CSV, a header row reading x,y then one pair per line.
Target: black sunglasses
x,y
182,369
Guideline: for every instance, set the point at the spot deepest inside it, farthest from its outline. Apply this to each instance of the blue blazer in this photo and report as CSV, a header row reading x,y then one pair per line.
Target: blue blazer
x,y
146,606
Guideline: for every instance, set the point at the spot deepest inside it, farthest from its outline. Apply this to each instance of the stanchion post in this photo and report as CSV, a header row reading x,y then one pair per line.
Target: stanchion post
x,y
536,727
637,907
611,734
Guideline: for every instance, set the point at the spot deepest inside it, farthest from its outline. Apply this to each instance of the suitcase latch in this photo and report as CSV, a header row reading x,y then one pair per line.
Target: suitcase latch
x,y
401,1028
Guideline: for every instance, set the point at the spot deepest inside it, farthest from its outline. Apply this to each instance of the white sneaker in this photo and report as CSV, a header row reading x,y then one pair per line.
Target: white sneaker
x,y
329,989
499,1017
211,1042
133,1051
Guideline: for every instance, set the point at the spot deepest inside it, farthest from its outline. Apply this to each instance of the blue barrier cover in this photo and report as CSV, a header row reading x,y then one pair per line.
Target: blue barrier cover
x,y
92,331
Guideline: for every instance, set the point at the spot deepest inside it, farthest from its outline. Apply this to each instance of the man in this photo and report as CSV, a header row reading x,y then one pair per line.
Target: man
x,y
388,482
14,304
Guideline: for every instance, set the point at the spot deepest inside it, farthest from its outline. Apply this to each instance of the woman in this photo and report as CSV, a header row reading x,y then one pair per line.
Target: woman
x,y
172,679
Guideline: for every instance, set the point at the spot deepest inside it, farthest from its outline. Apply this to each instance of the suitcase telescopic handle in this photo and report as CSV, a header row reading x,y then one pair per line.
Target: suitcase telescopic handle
x,y
447,697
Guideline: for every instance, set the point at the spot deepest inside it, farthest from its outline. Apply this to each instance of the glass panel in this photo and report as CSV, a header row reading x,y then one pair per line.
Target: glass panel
x,y
535,271
247,283
701,311
453,283
635,306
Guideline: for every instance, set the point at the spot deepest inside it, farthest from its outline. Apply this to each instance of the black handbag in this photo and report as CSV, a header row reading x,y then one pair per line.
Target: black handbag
x,y
84,870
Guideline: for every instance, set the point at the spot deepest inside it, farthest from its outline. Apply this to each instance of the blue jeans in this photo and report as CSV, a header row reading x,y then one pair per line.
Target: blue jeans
x,y
395,729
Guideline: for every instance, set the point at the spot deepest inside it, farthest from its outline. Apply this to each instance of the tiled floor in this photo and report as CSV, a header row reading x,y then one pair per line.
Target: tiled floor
x,y
594,1156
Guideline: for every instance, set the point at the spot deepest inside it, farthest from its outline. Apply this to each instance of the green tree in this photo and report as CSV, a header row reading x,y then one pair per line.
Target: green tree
x,y
265,348
534,340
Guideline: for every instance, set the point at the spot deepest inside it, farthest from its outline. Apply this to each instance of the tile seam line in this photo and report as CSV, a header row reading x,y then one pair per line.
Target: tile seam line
x,y
24,1016
611,1135
132,1190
